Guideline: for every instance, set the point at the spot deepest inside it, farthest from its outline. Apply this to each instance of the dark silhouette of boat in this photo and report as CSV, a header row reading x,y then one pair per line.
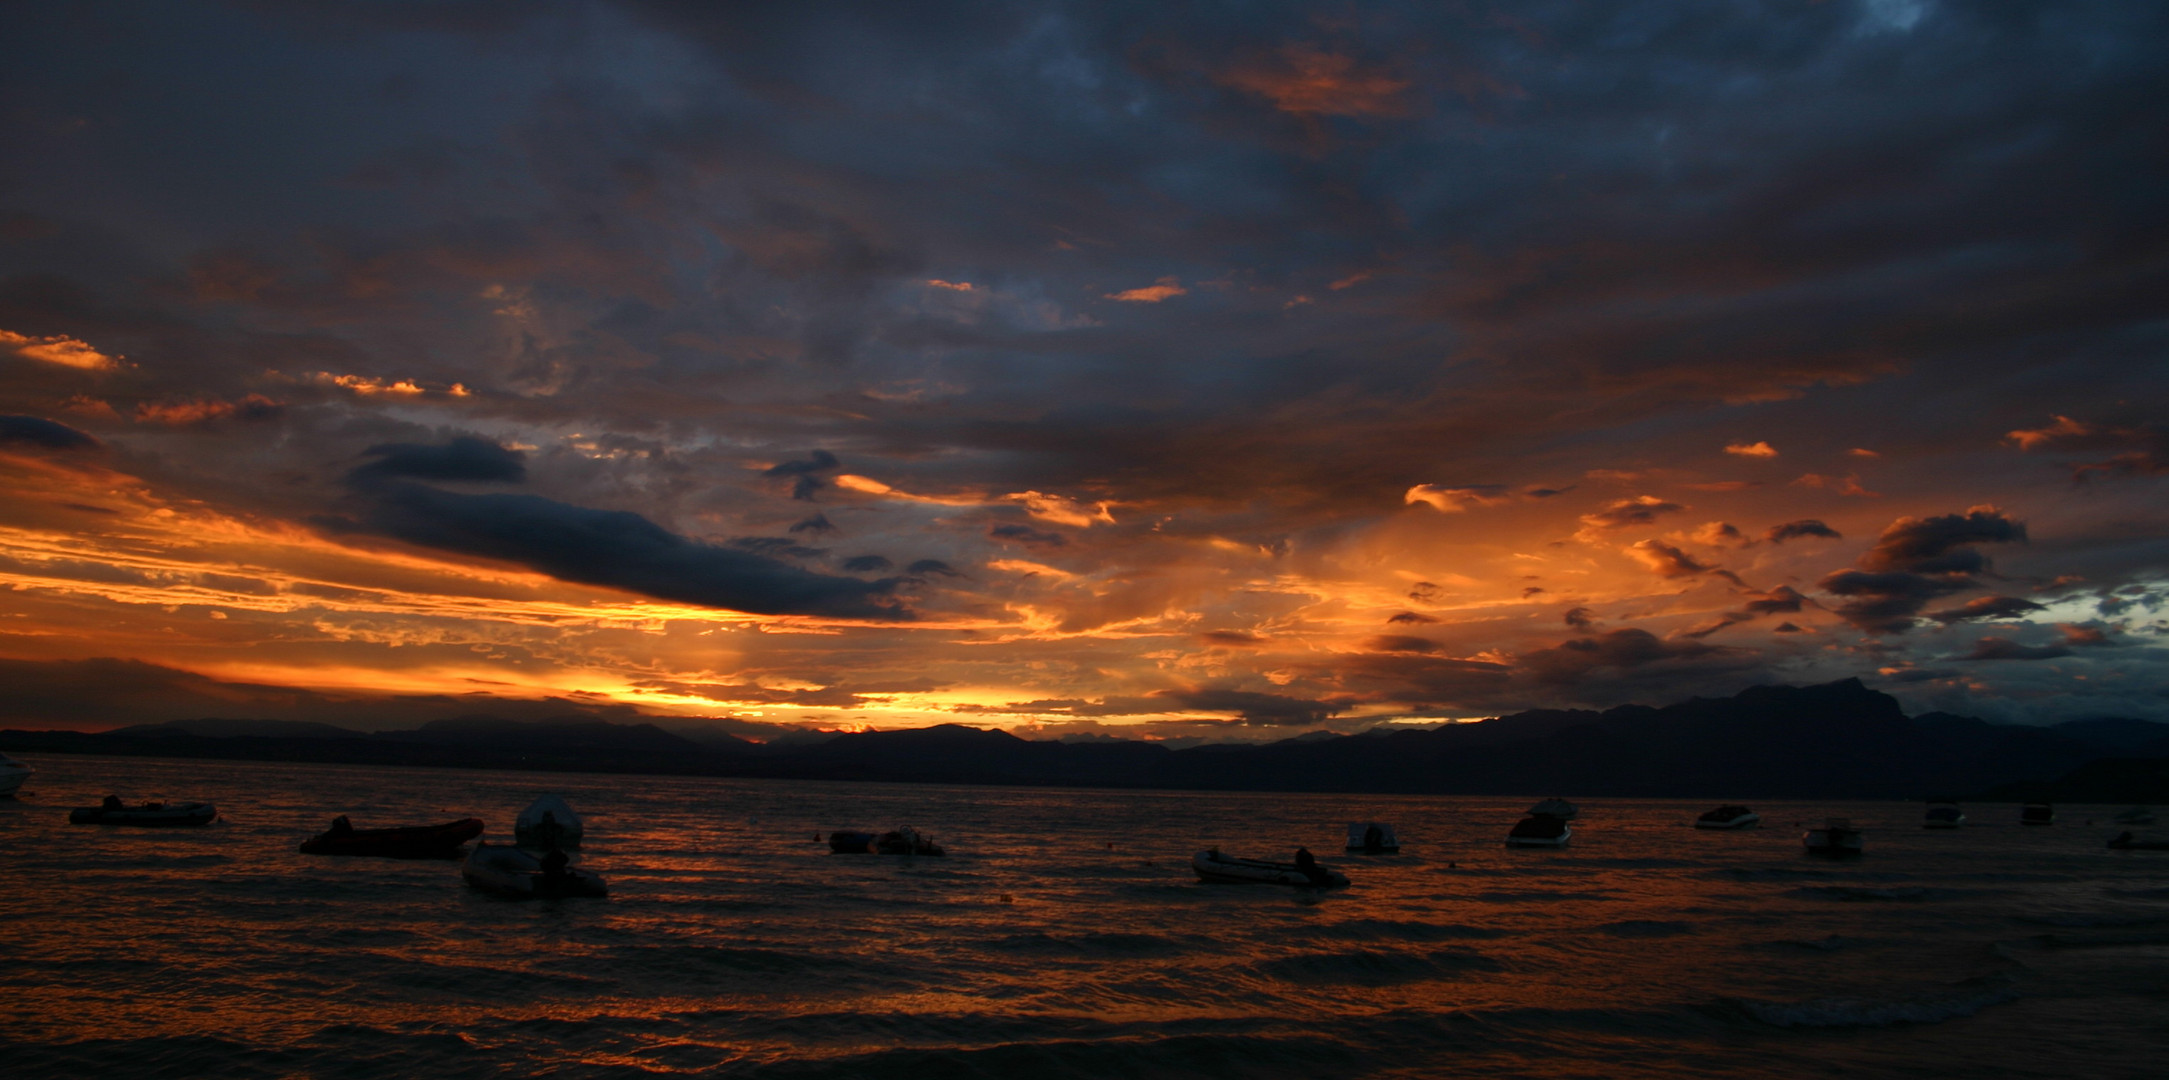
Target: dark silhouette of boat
x,y
1943,814
1539,830
2124,841
1372,838
521,875
2037,813
1211,865
902,840
153,814
1836,837
410,842
1729,817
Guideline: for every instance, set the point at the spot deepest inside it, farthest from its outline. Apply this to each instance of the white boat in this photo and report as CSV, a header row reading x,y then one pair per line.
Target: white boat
x,y
1943,814
1539,830
12,774
1372,838
509,871
1555,807
1729,817
1836,837
1213,866
548,822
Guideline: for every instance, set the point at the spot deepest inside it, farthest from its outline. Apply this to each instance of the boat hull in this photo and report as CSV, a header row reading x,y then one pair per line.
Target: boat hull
x,y
517,875
1227,869
170,815
1748,822
413,842
1832,842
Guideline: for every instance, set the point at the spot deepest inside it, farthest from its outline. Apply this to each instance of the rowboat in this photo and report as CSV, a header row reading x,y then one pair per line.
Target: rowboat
x,y
410,842
150,813
1213,866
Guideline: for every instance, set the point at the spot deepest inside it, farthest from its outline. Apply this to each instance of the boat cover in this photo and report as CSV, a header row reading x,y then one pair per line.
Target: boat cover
x,y
1555,807
1211,865
547,821
1362,838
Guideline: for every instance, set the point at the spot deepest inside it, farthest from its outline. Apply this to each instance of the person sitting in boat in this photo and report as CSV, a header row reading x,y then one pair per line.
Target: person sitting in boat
x,y
110,802
1308,864
553,866
340,826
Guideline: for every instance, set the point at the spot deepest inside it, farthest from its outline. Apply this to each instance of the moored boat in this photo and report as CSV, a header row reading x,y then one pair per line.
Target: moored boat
x,y
409,842
1836,837
521,875
1729,817
1211,865
152,814
2037,813
851,842
2124,841
1539,830
548,822
1943,814
1555,807
12,775
905,840
1372,838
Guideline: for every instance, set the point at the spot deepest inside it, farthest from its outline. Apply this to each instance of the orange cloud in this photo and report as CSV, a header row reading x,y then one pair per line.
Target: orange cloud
x,y
1843,485
1151,294
1448,500
1307,81
203,411
2064,428
954,286
1754,450
367,386
58,349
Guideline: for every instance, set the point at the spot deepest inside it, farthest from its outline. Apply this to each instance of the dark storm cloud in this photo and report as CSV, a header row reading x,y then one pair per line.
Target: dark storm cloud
x,y
1624,648
1231,639
867,564
1915,561
1793,530
1986,607
1996,648
1781,599
932,568
463,458
1028,536
43,434
618,549
1580,618
818,525
807,477
1410,617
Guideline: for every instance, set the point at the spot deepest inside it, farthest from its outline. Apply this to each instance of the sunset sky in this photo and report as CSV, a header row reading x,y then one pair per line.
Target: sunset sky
x,y
1173,370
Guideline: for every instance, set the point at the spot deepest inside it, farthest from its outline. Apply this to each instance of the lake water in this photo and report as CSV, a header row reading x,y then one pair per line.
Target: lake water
x,y
1064,936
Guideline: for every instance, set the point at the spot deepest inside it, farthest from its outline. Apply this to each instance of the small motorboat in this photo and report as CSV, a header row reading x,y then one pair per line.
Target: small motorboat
x,y
1211,865
114,812
851,843
1836,837
2037,813
2124,841
411,842
12,775
548,822
1729,817
905,840
1555,807
1943,814
2137,815
522,875
1372,838
1539,830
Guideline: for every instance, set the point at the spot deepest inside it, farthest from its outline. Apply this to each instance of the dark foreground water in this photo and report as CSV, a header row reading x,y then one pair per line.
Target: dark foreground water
x,y
1064,936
